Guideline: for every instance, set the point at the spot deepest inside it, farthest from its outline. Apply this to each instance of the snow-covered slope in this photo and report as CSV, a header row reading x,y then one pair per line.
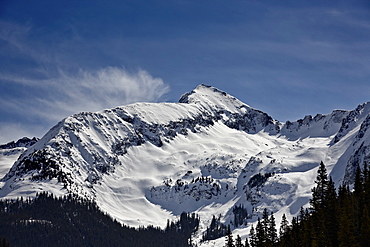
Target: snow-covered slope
x,y
147,162
11,151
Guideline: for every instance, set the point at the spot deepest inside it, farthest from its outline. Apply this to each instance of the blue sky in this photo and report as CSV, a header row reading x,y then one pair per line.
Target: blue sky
x,y
287,58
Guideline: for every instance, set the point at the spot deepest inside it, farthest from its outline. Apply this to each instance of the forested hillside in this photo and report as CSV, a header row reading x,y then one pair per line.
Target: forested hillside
x,y
72,221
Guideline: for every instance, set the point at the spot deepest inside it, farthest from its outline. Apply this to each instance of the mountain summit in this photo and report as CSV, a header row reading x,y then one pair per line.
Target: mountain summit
x,y
209,153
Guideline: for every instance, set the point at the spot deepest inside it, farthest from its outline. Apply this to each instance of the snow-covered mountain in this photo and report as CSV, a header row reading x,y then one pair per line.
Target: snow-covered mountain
x,y
11,151
145,163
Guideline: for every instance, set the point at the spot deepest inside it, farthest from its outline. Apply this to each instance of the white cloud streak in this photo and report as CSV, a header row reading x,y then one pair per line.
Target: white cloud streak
x,y
49,91
85,91
49,101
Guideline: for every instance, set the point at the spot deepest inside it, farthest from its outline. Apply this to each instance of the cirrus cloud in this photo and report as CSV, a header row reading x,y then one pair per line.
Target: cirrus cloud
x,y
50,100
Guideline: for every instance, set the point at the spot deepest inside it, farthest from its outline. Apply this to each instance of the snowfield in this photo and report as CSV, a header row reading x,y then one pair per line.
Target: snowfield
x,y
148,162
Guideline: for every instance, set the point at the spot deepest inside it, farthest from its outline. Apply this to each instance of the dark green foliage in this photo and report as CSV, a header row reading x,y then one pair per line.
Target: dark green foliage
x,y
187,224
246,244
335,220
229,238
4,243
271,231
260,233
215,230
252,237
72,221
319,192
264,235
240,215
238,241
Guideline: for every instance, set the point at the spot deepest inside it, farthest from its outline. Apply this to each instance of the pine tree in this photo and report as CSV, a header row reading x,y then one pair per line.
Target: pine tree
x,y
246,244
252,237
260,234
229,238
284,226
346,236
358,199
365,228
336,220
294,233
320,191
358,181
271,231
319,205
238,241
331,214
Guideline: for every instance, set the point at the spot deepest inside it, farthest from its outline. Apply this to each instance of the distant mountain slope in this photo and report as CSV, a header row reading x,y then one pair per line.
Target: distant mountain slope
x,y
207,154
11,151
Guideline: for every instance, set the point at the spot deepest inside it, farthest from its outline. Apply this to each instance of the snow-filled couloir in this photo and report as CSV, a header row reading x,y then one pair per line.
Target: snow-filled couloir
x,y
145,163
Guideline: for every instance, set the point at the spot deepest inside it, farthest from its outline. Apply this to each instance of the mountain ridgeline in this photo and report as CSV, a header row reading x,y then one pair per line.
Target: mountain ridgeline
x,y
209,153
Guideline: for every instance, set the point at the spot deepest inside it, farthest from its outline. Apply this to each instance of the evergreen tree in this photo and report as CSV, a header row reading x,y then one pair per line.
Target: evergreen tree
x,y
365,228
320,191
319,205
265,220
284,226
260,234
358,200
341,220
294,233
238,241
4,243
229,238
331,215
252,237
246,244
271,231
346,235
358,181
366,186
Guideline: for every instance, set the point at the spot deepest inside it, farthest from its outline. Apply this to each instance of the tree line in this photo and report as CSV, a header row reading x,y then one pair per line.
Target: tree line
x,y
334,219
74,221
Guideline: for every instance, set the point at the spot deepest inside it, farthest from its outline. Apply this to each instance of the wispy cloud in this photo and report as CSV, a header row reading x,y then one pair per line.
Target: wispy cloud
x,y
48,101
43,92
13,33
55,98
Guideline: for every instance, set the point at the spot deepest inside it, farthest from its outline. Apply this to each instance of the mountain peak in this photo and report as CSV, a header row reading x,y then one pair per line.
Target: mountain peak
x,y
213,98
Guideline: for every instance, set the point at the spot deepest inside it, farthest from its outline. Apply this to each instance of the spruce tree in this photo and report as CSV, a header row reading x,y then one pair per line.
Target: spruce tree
x,y
238,241
319,205
331,214
284,226
246,244
252,237
229,238
365,228
319,192
346,236
260,234
294,233
358,181
271,231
